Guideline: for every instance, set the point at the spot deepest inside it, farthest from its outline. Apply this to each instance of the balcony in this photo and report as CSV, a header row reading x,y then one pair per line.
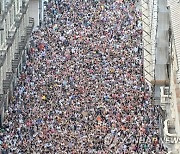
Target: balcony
x,y
30,27
2,57
16,60
5,11
20,16
7,81
22,44
2,100
11,37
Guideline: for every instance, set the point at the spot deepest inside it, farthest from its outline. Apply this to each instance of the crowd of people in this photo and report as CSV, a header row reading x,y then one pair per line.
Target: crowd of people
x,y
82,89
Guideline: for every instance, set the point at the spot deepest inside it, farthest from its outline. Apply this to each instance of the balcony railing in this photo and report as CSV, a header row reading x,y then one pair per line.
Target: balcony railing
x,y
22,44
23,11
30,26
15,61
2,100
2,57
7,82
10,38
5,12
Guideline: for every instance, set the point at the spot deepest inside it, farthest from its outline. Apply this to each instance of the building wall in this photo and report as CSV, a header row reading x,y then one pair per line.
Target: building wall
x,y
34,11
15,30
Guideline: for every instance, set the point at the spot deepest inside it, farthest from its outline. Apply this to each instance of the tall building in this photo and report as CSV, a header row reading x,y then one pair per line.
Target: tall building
x,y
161,37
15,28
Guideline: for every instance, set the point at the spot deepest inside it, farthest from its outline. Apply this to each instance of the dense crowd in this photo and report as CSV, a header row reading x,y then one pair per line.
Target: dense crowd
x,y
82,89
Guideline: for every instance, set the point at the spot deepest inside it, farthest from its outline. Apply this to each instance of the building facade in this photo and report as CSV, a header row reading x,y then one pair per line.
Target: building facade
x,y
36,10
161,42
15,28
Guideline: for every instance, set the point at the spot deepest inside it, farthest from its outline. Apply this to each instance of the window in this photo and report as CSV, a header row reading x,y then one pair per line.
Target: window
x,y
6,28
7,1
10,18
12,14
14,5
0,8
2,37
17,6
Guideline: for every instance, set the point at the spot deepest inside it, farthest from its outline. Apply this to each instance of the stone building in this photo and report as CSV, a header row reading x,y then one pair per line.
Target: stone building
x,y
15,28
